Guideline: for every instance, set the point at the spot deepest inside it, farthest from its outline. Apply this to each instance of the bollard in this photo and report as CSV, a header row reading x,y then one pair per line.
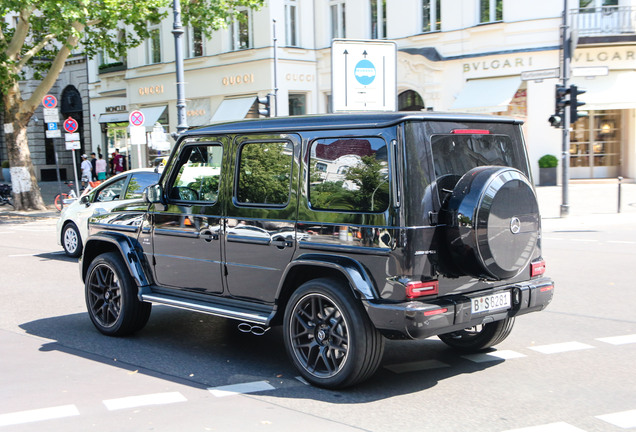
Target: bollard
x,y
620,180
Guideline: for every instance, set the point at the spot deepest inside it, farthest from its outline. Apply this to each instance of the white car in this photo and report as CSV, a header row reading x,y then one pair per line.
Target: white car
x,y
72,227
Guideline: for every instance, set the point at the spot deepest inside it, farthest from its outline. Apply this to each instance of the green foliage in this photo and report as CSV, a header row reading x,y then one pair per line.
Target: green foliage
x,y
548,161
5,164
264,173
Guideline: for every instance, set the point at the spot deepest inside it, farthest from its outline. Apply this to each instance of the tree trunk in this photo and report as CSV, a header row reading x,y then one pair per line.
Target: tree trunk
x,y
26,192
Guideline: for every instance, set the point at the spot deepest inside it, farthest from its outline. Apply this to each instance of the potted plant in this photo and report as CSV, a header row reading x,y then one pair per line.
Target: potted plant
x,y
6,172
548,170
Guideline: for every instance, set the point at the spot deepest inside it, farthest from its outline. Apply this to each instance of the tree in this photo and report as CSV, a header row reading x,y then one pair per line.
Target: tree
x,y
39,35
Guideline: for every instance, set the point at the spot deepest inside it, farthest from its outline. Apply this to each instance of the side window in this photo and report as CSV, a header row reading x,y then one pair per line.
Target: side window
x,y
265,170
355,177
198,174
138,182
111,192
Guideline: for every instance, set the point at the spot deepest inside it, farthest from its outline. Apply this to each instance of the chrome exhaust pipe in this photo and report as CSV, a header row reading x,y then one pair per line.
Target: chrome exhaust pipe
x,y
254,329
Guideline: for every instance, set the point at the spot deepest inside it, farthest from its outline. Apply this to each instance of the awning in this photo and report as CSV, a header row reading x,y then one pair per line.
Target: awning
x,y
488,95
233,109
113,118
151,115
614,91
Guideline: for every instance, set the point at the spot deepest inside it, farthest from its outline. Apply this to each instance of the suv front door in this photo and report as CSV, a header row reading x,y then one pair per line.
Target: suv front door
x,y
260,235
187,250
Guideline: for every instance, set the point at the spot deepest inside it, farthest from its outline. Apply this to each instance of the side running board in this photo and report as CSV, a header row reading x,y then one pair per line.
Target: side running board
x,y
213,308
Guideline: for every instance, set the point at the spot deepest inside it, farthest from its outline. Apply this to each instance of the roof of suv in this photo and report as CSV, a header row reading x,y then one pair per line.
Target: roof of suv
x,y
342,121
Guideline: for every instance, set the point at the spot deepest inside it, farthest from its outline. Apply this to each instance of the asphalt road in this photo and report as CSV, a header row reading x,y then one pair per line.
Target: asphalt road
x,y
569,368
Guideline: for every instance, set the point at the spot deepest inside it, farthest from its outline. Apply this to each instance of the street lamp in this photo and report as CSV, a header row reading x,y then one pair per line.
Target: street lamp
x,y
177,31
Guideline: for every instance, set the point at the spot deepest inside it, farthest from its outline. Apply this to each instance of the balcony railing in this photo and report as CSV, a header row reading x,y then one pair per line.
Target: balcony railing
x,y
604,21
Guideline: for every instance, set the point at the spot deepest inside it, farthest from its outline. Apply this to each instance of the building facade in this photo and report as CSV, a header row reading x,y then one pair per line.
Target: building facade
x,y
486,56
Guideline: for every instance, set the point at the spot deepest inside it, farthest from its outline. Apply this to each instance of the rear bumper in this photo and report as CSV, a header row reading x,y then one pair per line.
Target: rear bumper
x,y
421,319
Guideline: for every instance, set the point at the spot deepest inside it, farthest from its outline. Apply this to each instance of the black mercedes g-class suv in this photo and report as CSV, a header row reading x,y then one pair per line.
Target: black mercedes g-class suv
x,y
344,229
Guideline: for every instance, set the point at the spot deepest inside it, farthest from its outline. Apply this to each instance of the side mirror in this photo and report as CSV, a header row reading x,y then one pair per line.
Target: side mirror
x,y
153,194
86,200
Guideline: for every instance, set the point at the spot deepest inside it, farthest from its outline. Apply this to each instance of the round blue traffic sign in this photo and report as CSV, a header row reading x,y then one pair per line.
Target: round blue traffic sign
x,y
70,125
49,101
364,72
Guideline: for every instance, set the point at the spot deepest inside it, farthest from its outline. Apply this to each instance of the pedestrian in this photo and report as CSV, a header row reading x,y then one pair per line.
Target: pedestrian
x,y
86,168
93,170
118,162
100,168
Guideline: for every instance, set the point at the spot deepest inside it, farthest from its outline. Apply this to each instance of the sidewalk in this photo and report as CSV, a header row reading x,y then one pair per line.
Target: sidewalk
x,y
586,199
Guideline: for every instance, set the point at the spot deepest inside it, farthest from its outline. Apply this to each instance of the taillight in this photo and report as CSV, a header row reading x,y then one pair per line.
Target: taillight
x,y
419,289
537,268
471,131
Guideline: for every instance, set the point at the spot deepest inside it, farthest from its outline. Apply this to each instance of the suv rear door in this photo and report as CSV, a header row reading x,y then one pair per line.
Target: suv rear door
x,y
260,231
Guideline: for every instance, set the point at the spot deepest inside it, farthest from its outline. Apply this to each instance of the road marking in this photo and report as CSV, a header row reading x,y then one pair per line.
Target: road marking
x,y
561,347
235,389
493,356
144,400
552,427
619,340
621,242
624,420
38,415
416,366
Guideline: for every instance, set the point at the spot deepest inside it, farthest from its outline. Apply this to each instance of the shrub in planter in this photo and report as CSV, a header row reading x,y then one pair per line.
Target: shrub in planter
x,y
548,170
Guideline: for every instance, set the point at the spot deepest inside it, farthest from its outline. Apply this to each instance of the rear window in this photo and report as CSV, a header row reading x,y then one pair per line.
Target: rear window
x,y
456,154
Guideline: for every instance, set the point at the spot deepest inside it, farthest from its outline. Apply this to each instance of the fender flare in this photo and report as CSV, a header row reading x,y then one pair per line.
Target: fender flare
x,y
359,279
128,248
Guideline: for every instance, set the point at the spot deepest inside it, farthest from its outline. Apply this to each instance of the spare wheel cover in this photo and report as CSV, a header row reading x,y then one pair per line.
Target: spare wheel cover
x,y
493,222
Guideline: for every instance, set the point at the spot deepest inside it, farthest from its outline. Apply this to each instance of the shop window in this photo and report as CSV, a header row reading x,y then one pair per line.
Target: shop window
x,y
338,19
490,11
291,23
378,19
349,174
265,170
297,104
431,15
595,143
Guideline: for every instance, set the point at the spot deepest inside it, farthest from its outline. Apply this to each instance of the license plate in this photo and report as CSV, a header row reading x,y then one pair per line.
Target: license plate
x,y
492,302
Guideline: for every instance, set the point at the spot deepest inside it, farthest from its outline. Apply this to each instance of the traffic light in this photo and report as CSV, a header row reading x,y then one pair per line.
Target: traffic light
x,y
266,108
560,94
575,103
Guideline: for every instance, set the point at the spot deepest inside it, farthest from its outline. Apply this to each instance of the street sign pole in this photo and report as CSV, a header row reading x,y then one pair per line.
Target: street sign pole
x,y
75,172
565,155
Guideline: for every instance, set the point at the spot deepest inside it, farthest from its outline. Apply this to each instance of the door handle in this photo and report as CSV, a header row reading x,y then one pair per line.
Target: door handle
x,y
208,235
282,243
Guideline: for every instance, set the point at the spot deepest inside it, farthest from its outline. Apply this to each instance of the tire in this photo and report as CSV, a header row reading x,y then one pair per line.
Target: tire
x,y
71,240
491,223
59,201
328,336
480,337
111,297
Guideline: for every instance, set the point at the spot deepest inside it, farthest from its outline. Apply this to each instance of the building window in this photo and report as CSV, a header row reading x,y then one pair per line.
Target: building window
x,y
410,101
240,31
194,36
154,46
490,11
338,27
378,19
297,104
431,15
291,23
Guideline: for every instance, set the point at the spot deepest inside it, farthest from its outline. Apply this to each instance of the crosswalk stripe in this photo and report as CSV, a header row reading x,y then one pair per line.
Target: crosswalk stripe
x,y
560,347
416,366
552,427
38,415
235,389
493,356
624,420
619,340
144,400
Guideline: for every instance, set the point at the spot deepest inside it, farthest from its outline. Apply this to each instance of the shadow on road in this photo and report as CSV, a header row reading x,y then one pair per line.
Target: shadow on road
x,y
203,351
57,256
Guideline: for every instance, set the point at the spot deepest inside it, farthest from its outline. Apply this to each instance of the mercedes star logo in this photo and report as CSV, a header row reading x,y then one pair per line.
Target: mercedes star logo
x,y
515,225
